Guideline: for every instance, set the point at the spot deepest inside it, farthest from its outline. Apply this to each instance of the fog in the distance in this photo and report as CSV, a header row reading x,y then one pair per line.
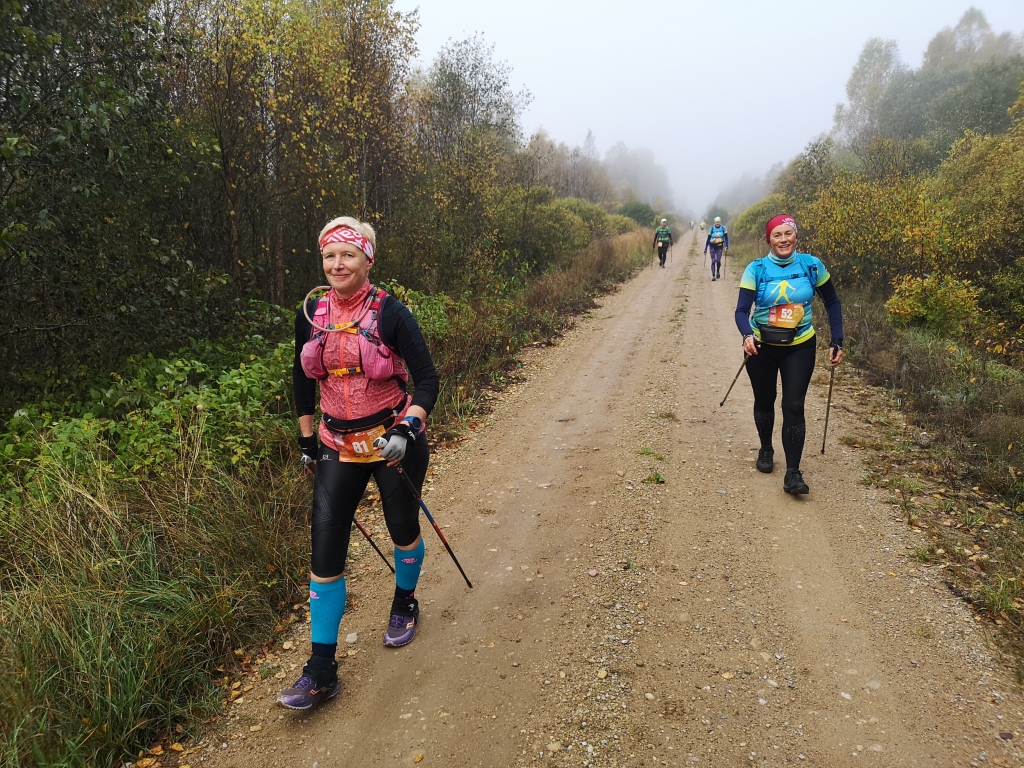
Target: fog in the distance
x,y
712,90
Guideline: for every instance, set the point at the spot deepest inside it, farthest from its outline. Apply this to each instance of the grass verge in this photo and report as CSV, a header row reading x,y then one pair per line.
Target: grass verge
x,y
947,430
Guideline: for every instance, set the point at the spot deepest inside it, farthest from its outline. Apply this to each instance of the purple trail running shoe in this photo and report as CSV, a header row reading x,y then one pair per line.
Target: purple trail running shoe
x,y
402,627
319,682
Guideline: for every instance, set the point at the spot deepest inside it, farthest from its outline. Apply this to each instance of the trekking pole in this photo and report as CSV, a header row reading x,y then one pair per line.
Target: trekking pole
x,y
735,378
373,544
379,443
828,407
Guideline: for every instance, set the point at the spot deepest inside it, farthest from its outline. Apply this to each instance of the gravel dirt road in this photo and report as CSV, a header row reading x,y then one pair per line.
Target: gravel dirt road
x,y
710,619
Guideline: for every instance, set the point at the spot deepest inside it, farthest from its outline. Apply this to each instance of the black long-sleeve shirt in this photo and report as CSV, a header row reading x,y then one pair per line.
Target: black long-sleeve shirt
x,y
400,331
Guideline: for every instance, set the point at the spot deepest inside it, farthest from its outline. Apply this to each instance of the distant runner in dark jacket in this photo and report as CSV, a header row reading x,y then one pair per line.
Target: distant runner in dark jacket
x,y
662,240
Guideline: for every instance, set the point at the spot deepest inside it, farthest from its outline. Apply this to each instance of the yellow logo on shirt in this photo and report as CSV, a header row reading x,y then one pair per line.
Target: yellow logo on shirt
x,y
782,290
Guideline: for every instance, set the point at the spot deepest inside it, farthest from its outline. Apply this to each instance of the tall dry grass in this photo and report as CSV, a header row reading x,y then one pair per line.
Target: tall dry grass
x,y
120,596
965,397
557,295
474,341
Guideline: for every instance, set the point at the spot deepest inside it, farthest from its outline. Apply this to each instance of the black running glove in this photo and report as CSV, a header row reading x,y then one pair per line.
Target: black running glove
x,y
310,447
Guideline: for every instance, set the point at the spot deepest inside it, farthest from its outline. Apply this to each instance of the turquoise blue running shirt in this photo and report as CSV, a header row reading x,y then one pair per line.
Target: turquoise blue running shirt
x,y
784,292
718,236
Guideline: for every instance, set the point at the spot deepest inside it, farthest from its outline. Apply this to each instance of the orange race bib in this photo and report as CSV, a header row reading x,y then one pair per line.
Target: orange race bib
x,y
358,446
785,315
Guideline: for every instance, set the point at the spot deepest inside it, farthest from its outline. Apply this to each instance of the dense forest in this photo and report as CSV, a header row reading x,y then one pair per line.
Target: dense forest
x,y
165,164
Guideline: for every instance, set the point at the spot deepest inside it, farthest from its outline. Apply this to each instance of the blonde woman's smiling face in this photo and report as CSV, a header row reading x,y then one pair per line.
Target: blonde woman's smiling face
x,y
346,267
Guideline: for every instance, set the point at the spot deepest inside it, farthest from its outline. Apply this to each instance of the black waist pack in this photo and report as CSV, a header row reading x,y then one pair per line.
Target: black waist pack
x,y
772,335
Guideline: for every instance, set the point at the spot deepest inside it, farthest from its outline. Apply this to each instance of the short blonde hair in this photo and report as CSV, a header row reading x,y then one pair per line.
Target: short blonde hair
x,y
356,225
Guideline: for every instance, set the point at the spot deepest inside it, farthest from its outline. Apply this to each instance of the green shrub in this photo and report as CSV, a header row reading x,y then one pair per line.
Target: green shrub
x,y
620,225
943,304
638,211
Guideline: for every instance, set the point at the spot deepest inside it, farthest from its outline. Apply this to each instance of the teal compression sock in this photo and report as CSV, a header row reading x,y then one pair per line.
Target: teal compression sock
x,y
408,563
326,607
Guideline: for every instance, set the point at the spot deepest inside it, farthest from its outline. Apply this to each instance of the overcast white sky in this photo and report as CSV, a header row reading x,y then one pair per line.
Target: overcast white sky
x,y
713,89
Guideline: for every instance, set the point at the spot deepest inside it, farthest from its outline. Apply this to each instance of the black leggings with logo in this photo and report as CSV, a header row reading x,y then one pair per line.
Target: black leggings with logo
x,y
337,489
796,364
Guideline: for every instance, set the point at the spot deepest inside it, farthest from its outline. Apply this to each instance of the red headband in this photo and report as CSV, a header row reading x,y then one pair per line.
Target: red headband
x,y
776,221
348,235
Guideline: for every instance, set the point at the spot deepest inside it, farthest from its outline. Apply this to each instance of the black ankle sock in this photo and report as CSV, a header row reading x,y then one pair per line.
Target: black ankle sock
x,y
325,650
403,594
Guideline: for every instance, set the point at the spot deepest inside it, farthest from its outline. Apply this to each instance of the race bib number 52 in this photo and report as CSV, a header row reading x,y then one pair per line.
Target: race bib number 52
x,y
785,315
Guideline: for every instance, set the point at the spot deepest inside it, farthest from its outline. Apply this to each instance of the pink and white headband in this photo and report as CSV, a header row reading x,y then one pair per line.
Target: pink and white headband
x,y
348,235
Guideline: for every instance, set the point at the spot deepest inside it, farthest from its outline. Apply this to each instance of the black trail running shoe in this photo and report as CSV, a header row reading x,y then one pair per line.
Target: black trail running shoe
x,y
794,482
766,460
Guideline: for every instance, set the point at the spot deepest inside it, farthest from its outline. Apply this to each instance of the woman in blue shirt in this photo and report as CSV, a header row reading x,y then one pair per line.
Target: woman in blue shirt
x,y
774,316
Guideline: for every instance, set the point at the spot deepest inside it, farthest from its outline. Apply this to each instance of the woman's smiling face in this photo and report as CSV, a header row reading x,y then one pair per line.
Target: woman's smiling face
x,y
783,241
346,268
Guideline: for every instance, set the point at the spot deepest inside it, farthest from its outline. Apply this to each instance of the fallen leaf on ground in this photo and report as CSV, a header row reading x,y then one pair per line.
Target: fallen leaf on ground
x,y
418,758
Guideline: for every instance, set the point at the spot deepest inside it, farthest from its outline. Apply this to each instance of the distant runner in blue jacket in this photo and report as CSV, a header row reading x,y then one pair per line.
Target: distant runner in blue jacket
x,y
718,238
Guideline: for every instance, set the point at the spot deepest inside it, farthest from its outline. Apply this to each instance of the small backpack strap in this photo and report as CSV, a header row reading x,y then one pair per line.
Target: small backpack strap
x,y
321,315
319,308
761,276
811,270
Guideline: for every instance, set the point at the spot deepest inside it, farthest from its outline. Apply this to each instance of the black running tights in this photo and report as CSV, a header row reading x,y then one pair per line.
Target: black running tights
x,y
337,489
796,364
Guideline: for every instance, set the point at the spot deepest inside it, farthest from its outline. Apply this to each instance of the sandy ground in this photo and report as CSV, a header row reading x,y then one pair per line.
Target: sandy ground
x,y
711,619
